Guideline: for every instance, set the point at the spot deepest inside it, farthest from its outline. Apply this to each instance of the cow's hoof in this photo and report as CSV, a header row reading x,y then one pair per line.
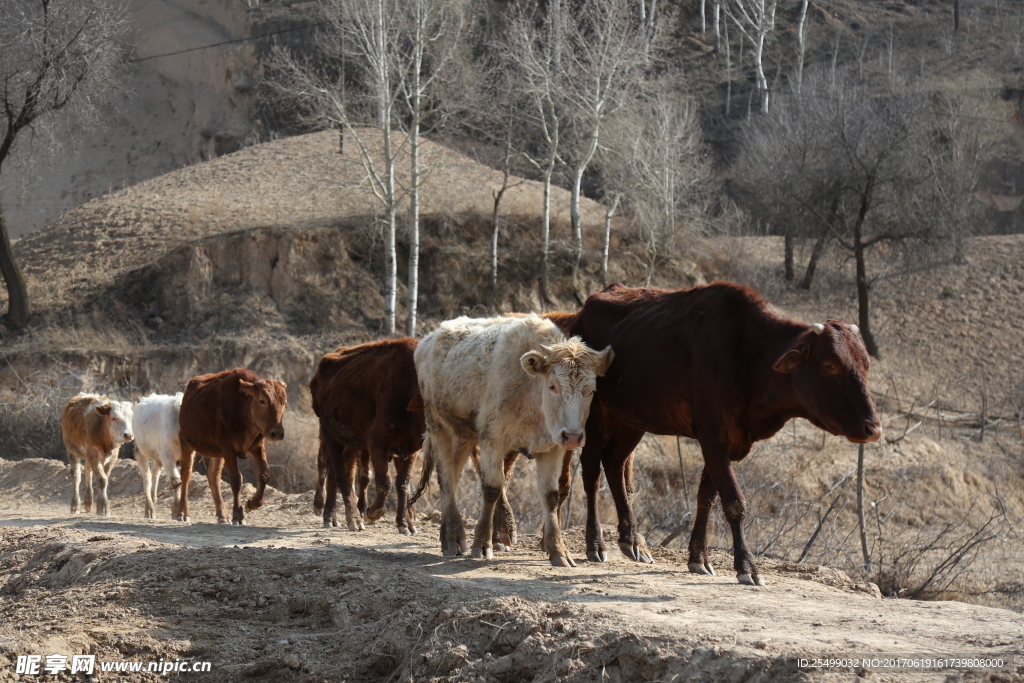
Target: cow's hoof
x,y
360,526
600,555
223,520
750,580
636,552
453,550
403,530
372,515
706,568
500,547
485,553
335,523
562,562
238,522
412,530
183,518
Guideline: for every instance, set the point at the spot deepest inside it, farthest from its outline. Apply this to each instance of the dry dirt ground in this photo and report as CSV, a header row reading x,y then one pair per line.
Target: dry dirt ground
x,y
283,599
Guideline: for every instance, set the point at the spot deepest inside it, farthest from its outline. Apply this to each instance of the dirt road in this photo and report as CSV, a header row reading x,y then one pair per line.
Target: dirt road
x,y
283,599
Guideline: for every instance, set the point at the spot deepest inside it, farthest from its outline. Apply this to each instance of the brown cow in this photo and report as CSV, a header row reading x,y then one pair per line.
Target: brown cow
x,y
227,416
94,427
715,364
368,402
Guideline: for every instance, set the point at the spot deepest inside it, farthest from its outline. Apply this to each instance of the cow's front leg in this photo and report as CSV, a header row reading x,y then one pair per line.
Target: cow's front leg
x,y
381,481
699,563
100,472
492,481
180,511
549,466
235,478
719,465
405,516
214,467
76,473
87,502
618,465
259,460
331,462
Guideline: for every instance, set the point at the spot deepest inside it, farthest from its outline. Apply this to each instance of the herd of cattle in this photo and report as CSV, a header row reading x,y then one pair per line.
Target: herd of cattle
x,y
712,363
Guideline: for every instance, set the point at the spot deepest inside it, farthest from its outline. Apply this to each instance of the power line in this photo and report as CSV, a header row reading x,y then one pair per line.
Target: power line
x,y
228,42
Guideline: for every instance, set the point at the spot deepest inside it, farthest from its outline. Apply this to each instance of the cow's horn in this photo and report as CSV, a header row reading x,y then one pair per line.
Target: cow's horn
x,y
818,328
854,328
547,350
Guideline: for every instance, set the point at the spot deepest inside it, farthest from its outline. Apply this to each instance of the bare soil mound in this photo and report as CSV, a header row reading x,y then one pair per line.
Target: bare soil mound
x,y
283,599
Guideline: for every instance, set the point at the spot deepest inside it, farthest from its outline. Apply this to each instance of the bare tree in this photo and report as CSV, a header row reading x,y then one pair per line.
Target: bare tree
x,y
872,169
393,46
532,59
602,58
755,19
665,174
432,29
56,57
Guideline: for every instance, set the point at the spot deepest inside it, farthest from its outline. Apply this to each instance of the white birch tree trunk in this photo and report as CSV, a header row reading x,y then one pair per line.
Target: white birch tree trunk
x,y
801,46
607,238
414,227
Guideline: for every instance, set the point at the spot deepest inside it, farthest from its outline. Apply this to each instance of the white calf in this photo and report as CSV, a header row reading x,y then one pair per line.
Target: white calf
x,y
506,384
156,444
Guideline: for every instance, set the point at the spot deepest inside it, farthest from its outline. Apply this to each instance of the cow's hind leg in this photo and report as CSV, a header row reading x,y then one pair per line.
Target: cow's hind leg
x,y
348,460
505,531
549,466
332,463
405,516
381,481
235,478
363,481
322,470
146,472
214,468
699,563
450,457
76,474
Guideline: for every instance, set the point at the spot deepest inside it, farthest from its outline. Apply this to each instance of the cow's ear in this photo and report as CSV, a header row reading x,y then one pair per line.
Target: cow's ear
x,y
535,363
607,356
103,409
415,405
792,359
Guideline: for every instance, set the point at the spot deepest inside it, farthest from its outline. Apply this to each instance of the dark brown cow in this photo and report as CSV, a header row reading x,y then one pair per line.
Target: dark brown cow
x,y
715,364
227,416
368,402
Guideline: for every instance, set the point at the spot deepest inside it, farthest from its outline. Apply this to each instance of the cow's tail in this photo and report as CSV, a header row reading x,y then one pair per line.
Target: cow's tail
x,y
428,467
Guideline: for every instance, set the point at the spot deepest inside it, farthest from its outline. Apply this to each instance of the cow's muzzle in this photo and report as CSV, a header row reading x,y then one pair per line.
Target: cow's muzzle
x,y
127,436
570,440
869,432
276,434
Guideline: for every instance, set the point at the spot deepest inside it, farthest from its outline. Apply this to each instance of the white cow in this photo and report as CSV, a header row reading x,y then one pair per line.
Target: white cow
x,y
506,384
94,427
156,444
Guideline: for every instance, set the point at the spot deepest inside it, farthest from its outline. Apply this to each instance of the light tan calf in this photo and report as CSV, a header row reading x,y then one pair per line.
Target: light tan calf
x,y
505,384
94,427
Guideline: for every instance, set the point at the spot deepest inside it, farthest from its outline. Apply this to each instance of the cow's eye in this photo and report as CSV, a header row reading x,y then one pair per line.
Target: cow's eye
x,y
830,367
552,388
263,401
